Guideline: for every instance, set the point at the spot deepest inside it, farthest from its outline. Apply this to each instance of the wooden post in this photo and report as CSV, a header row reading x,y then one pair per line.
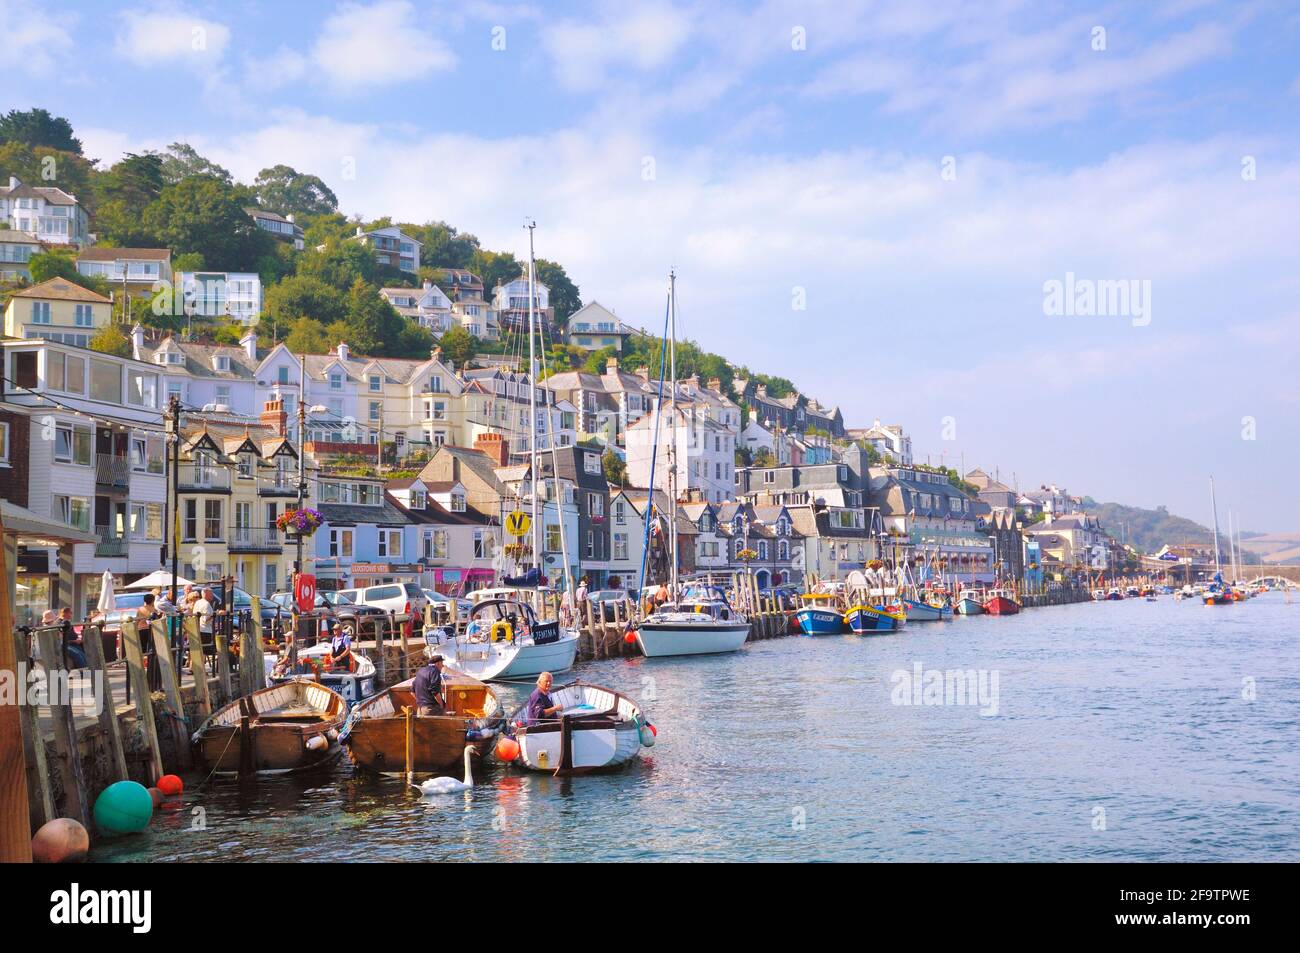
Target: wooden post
x,y
171,684
409,714
15,814
105,704
381,663
76,799
194,639
39,791
252,659
223,662
403,665
143,703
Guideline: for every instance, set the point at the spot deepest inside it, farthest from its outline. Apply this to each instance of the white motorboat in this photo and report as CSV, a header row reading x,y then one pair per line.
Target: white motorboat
x,y
355,685
596,729
702,623
504,640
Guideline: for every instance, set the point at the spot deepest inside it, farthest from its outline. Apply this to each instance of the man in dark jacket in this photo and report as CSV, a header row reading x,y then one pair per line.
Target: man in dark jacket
x,y
428,688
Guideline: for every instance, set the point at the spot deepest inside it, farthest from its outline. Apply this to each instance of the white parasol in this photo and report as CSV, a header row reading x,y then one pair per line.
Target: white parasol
x,y
107,597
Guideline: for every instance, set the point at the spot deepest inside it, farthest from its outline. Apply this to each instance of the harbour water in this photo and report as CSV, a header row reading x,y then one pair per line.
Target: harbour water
x,y
1128,731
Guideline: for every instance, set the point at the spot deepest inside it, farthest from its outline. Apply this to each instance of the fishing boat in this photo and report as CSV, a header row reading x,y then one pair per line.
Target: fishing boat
x,y
921,611
862,619
275,730
820,614
375,735
1001,602
315,663
504,639
969,602
596,729
1099,595
701,623
1114,594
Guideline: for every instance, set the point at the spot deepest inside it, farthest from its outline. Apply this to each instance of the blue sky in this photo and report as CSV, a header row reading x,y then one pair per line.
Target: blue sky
x,y
916,171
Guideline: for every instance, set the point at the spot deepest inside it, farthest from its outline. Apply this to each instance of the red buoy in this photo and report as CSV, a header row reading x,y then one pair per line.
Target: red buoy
x,y
507,749
171,785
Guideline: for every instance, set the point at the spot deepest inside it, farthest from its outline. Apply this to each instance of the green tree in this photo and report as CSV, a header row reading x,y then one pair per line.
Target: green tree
x,y
373,327
203,216
57,264
287,191
37,127
445,247
494,268
458,346
180,161
300,296
615,468
597,361
341,265
307,336
43,166
111,340
564,293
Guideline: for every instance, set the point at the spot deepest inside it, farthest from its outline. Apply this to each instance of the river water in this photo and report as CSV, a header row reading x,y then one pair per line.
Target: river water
x,y
1111,731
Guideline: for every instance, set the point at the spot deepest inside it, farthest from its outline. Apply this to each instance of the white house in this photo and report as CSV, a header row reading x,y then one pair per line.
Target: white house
x,y
392,247
427,305
217,294
705,454
48,214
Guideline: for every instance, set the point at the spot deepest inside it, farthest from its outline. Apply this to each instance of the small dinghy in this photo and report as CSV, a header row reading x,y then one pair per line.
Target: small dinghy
x,y
597,729
287,727
375,735
355,684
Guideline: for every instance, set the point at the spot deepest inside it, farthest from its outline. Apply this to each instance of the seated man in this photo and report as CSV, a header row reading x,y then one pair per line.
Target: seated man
x,y
540,704
428,687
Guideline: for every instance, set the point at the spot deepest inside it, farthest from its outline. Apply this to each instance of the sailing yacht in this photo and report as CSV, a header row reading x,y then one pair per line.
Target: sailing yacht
x,y
504,638
1217,593
690,626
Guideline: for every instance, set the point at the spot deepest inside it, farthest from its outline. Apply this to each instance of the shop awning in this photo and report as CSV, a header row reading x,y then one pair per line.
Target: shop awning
x,y
34,530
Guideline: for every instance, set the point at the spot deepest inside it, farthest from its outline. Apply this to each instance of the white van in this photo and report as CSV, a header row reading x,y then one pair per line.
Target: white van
x,y
390,597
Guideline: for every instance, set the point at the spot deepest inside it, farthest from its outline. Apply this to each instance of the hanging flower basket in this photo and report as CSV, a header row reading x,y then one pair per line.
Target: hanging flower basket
x,y
874,564
746,555
303,522
515,549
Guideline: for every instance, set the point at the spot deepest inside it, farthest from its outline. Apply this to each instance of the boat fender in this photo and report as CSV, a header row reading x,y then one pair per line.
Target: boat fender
x,y
647,733
317,743
332,734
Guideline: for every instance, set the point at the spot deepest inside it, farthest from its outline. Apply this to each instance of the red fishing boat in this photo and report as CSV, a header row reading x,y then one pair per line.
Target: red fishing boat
x,y
1001,602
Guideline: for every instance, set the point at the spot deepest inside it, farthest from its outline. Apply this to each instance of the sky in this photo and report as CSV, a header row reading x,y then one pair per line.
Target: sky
x,y
1058,241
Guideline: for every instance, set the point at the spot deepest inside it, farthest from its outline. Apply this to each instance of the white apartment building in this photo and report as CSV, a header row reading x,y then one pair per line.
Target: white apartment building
x,y
704,454
427,305
48,214
216,294
392,247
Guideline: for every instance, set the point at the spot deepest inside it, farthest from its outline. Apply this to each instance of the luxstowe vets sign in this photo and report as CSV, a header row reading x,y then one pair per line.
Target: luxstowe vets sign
x,y
75,906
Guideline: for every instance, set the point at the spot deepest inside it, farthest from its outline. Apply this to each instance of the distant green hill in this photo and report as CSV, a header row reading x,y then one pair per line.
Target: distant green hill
x,y
1148,530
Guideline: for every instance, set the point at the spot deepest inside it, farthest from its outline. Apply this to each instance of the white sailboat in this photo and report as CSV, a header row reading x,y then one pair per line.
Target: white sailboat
x,y
688,626
504,639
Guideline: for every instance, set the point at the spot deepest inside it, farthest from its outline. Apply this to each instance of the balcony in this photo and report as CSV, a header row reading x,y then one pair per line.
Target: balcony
x,y
255,539
279,484
112,470
111,542
196,478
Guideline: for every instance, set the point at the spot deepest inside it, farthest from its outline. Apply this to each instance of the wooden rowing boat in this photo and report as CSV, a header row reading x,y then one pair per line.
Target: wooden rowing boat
x,y
375,733
287,727
597,729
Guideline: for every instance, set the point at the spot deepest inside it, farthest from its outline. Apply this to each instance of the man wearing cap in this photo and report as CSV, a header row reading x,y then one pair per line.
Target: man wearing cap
x,y
428,688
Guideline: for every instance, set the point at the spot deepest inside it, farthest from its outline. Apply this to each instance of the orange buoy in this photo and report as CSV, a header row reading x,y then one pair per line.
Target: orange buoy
x,y
171,785
60,841
507,749
630,637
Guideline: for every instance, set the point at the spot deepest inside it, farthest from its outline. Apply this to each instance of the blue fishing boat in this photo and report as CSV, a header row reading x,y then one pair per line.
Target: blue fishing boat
x,y
864,619
820,615
926,612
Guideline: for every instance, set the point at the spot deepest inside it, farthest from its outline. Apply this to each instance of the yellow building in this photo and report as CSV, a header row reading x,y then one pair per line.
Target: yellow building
x,y
235,481
57,310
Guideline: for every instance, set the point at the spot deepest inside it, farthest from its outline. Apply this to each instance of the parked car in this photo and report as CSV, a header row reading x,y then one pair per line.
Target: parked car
x,y
603,602
389,597
128,601
444,606
334,607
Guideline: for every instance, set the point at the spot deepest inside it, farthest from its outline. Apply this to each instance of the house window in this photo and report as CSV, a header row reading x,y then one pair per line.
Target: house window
x,y
40,312
419,500
139,454
190,521
482,545
458,502
762,549
73,510
72,445
212,519
390,542
783,550
769,476
591,544
440,543
272,576
552,538
141,389
374,409
83,317
620,512
4,443
376,383
336,382
591,462
620,545
595,505
341,543
282,375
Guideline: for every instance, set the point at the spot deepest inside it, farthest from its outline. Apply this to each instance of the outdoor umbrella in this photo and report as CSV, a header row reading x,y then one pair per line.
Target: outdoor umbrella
x,y
158,579
107,597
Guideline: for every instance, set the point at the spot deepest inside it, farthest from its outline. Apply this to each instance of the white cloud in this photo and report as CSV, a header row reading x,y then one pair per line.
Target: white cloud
x,y
35,38
378,44
643,38
164,35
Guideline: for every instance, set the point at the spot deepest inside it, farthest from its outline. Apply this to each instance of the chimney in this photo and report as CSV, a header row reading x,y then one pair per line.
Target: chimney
x,y
289,217
137,342
611,365
436,353
360,231
273,416
427,284
13,182
761,391
249,343
342,351
715,383
495,446
644,374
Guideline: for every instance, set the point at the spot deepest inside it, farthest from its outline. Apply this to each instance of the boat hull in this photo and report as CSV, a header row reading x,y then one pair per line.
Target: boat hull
x,y
661,640
814,621
924,612
970,607
503,661
375,734
863,620
1001,605
276,730
600,730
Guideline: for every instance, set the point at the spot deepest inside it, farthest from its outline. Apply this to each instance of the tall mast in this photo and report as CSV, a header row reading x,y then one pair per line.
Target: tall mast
x,y
672,444
532,396
1215,507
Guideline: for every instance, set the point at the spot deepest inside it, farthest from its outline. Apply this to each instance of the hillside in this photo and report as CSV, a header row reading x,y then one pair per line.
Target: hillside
x,y
1274,547
1148,530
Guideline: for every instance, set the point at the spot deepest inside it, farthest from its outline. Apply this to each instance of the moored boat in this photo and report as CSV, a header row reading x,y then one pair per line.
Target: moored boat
x,y
820,614
355,684
596,729
862,619
969,603
504,639
375,733
1001,602
286,727
918,611
702,623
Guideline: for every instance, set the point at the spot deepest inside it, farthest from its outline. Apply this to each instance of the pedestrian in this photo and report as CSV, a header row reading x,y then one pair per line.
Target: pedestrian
x,y
74,656
427,686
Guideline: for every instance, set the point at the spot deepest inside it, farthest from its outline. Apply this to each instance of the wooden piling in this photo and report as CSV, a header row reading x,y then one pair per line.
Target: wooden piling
x,y
381,661
15,808
139,679
222,648
403,665
194,639
76,799
105,704
171,686
40,793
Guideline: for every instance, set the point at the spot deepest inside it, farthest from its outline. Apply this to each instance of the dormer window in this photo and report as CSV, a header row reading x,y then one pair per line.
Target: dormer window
x,y
376,383
419,499
246,464
336,381
221,363
458,502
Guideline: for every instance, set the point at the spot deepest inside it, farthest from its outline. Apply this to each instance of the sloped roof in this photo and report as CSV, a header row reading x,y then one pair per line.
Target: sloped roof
x,y
60,289
96,253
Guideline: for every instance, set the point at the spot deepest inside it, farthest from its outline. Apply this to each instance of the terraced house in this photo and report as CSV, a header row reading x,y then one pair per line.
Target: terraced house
x,y
57,310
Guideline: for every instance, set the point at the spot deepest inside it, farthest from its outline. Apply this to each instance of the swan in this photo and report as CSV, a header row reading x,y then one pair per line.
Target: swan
x,y
448,785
